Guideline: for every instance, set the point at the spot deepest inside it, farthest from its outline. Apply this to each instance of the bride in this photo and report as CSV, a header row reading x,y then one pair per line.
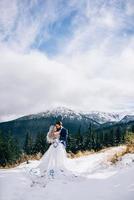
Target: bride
x,y
54,160
54,163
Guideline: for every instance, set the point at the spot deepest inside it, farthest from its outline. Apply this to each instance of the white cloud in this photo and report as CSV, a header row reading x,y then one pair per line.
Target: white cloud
x,y
130,7
8,13
94,70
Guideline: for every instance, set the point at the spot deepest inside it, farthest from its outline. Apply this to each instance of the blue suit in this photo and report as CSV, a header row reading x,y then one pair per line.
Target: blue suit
x,y
63,136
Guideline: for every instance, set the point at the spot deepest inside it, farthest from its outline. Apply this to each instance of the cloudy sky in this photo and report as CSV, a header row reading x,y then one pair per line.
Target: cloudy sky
x,y
74,53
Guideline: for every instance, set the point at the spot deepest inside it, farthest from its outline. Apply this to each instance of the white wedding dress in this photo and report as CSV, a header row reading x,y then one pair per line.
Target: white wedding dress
x,y
54,161
54,164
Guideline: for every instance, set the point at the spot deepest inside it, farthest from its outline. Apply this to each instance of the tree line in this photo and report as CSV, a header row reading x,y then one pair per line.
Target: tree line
x,y
92,139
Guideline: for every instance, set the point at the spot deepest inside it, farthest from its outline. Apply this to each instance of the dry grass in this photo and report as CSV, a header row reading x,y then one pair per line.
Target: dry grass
x,y
130,148
129,138
111,158
118,155
23,158
80,154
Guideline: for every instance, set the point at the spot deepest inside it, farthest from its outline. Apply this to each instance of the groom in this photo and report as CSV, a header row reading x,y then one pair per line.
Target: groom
x,y
63,133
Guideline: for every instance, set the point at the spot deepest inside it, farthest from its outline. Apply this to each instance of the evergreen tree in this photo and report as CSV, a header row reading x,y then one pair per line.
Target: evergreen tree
x,y
41,144
71,145
132,128
9,149
118,135
28,144
13,149
3,151
79,140
88,138
97,142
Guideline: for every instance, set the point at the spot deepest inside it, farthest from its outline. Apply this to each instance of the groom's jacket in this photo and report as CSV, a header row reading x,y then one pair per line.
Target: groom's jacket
x,y
63,134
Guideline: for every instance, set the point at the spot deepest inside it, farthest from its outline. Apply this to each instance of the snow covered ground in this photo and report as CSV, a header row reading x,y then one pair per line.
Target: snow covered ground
x,y
99,180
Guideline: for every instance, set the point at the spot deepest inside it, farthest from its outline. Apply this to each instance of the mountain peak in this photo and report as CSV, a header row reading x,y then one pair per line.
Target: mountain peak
x,y
65,112
127,118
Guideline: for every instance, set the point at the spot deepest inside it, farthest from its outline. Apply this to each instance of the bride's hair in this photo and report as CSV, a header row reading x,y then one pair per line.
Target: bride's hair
x,y
50,138
51,128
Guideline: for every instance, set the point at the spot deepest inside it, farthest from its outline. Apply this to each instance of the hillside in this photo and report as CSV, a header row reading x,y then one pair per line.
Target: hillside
x,y
72,120
39,123
101,180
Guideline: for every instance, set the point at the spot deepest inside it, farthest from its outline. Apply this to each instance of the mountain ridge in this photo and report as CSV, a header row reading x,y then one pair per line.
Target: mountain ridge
x,y
75,122
98,116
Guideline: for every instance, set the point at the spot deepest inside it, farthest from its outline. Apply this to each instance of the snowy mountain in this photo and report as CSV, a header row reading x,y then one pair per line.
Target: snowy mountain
x,y
40,123
64,112
72,120
101,180
55,112
127,118
103,117
96,116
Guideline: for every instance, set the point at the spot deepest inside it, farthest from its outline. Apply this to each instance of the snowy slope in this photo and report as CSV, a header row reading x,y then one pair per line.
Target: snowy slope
x,y
128,118
55,112
97,116
101,180
103,117
64,112
100,117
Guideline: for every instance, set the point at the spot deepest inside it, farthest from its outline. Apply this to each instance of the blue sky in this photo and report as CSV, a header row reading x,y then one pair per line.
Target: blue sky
x,y
53,23
74,53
